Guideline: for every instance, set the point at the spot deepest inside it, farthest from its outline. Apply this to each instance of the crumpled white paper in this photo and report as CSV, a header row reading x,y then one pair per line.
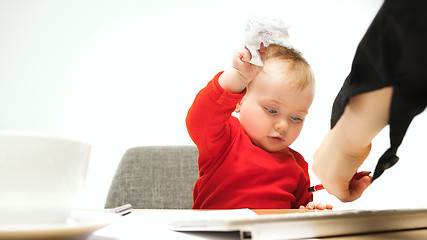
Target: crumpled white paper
x,y
265,30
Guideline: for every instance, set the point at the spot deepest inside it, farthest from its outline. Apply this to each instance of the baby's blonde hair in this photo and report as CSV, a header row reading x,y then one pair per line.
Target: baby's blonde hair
x,y
298,66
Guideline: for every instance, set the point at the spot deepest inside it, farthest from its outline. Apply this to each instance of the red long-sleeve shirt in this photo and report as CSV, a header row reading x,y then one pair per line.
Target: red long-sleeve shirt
x,y
234,173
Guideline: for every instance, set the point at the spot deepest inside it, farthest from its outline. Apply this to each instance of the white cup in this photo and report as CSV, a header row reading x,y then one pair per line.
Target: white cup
x,y
40,176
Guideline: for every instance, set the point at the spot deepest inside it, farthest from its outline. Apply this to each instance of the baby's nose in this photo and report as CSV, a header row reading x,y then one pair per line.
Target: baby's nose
x,y
281,125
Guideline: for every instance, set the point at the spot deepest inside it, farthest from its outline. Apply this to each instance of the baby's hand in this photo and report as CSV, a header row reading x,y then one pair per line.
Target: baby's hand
x,y
318,206
237,78
246,70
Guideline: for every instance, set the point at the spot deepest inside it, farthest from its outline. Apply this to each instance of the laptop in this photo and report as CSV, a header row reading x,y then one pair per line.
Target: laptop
x,y
302,224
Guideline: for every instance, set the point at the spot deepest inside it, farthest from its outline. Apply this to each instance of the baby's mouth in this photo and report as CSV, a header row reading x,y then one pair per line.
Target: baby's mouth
x,y
276,139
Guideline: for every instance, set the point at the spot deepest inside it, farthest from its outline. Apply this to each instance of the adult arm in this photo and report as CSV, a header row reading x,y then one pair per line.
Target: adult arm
x,y
347,145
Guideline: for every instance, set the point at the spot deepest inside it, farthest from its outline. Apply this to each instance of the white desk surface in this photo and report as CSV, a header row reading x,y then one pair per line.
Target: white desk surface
x,y
153,224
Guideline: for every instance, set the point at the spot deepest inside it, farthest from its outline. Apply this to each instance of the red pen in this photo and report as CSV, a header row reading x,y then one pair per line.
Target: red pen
x,y
356,176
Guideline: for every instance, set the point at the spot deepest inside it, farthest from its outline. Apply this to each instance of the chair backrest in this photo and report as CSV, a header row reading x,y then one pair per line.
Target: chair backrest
x,y
155,177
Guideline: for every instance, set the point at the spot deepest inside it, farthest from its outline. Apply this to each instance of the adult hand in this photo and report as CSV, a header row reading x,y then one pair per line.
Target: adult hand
x,y
335,164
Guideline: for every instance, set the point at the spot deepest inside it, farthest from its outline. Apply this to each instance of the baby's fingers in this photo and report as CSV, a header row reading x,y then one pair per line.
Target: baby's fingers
x,y
310,206
244,55
318,206
262,51
321,206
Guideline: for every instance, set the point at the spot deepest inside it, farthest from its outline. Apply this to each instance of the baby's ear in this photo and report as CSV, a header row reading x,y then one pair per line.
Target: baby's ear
x,y
237,110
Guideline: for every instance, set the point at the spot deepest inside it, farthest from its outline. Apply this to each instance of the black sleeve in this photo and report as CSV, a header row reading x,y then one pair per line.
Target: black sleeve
x,y
393,52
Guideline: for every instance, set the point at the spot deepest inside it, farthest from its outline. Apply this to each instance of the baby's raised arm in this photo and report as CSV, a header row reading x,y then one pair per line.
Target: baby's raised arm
x,y
237,78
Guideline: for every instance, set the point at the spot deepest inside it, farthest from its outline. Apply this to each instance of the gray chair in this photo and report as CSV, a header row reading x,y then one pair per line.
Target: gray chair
x,y
155,177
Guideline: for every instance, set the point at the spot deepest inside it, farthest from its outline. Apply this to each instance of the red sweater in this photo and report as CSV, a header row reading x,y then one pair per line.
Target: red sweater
x,y
234,173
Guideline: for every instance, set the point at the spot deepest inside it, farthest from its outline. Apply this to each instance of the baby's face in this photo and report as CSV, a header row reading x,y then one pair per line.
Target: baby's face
x,y
273,110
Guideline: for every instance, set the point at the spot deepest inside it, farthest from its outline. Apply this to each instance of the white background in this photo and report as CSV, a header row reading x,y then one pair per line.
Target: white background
x,y
123,73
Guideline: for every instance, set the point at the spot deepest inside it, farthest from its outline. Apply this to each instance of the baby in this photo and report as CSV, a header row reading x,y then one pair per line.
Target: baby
x,y
247,162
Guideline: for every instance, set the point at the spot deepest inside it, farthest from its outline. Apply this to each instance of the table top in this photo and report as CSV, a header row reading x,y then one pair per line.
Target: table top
x,y
101,224
142,223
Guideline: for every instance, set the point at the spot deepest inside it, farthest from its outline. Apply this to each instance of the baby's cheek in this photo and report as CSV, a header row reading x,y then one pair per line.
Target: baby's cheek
x,y
294,133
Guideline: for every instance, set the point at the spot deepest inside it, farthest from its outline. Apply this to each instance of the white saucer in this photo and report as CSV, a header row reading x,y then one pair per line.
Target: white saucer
x,y
79,226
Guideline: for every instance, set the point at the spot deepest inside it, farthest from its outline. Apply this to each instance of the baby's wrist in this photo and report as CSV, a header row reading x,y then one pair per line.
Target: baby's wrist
x,y
233,81
242,78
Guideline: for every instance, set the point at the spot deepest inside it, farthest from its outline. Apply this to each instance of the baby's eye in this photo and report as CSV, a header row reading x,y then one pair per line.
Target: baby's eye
x,y
296,119
272,111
